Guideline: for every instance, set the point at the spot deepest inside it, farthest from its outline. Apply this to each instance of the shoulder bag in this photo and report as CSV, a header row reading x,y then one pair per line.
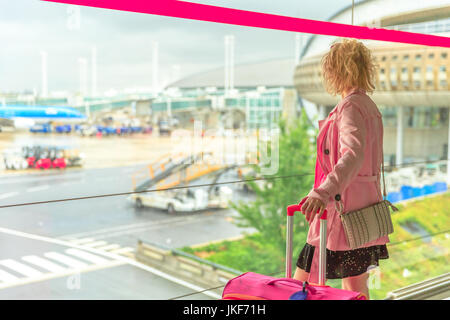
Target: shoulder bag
x,y
370,223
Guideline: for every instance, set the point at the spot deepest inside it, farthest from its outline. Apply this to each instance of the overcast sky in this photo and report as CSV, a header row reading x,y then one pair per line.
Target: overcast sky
x,y
124,42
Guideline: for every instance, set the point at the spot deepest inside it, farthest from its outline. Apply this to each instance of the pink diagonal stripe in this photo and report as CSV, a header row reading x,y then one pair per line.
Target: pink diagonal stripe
x,y
195,11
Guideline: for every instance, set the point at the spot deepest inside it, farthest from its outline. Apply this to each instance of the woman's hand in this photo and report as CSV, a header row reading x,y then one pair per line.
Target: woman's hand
x,y
311,207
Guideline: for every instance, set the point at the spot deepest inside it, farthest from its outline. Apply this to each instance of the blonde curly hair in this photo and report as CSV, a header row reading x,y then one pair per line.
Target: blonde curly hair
x,y
348,64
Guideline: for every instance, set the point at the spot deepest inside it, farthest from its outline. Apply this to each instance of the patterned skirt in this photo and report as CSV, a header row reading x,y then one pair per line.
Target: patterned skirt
x,y
343,264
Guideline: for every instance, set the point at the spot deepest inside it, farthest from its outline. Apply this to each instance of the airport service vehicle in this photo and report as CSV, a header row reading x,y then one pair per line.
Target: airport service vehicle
x,y
136,129
41,157
124,130
164,128
73,157
172,201
147,130
175,170
31,161
45,163
66,128
109,131
14,160
41,128
184,200
106,130
87,131
59,163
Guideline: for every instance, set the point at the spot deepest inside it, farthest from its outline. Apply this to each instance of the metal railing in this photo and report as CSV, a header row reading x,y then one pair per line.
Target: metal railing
x,y
426,289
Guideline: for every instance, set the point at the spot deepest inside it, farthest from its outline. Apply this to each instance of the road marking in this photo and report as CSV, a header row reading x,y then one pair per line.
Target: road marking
x,y
129,226
120,260
69,261
43,263
109,247
150,227
68,272
105,179
86,256
6,277
123,250
95,244
83,240
134,228
38,188
41,177
9,194
20,268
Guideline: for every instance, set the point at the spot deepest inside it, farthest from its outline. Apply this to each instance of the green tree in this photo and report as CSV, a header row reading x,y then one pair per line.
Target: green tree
x,y
267,213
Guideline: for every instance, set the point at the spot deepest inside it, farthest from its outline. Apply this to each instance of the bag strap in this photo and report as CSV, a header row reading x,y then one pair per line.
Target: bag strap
x,y
382,172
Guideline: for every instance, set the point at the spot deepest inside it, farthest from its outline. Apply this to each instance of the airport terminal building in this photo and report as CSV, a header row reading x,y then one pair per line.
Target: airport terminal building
x,y
262,92
412,83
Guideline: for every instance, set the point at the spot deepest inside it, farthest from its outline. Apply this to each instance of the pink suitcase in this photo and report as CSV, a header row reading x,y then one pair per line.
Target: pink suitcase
x,y
254,286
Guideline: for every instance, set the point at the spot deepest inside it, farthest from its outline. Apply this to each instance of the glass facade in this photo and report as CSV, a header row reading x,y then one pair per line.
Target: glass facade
x,y
428,27
181,104
416,117
263,109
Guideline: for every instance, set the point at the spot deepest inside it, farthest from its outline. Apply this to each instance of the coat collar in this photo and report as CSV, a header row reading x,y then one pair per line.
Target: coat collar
x,y
352,91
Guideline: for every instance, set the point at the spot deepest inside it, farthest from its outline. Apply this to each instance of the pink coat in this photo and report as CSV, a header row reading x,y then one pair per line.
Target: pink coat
x,y
348,165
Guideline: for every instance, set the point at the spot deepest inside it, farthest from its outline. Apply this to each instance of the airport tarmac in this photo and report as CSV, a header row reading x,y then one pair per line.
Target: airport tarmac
x,y
119,151
40,253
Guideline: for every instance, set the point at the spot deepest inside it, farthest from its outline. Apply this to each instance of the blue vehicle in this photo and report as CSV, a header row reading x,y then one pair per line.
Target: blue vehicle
x,y
63,128
41,128
136,129
108,130
125,130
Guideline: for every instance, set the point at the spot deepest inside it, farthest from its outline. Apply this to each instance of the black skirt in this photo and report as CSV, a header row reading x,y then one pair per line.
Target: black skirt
x,y
343,264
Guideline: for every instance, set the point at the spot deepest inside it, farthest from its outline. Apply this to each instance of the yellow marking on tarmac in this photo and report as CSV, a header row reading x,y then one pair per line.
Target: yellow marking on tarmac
x,y
96,244
109,247
123,250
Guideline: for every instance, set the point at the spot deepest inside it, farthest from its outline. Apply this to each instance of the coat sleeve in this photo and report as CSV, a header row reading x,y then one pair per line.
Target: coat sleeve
x,y
352,138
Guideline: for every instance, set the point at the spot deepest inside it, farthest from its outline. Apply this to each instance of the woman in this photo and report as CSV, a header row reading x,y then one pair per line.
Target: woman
x,y
347,176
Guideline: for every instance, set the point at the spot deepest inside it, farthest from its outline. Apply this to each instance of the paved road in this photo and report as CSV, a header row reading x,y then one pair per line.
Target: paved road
x,y
40,244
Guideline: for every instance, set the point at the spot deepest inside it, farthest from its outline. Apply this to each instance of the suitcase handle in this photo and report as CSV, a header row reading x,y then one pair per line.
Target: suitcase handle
x,y
285,280
297,207
289,238
294,281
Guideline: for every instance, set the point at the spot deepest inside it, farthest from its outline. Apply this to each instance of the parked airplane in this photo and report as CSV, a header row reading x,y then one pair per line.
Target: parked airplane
x,y
24,116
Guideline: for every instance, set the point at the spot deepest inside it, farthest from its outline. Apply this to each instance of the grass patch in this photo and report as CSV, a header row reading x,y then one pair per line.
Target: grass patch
x,y
250,253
